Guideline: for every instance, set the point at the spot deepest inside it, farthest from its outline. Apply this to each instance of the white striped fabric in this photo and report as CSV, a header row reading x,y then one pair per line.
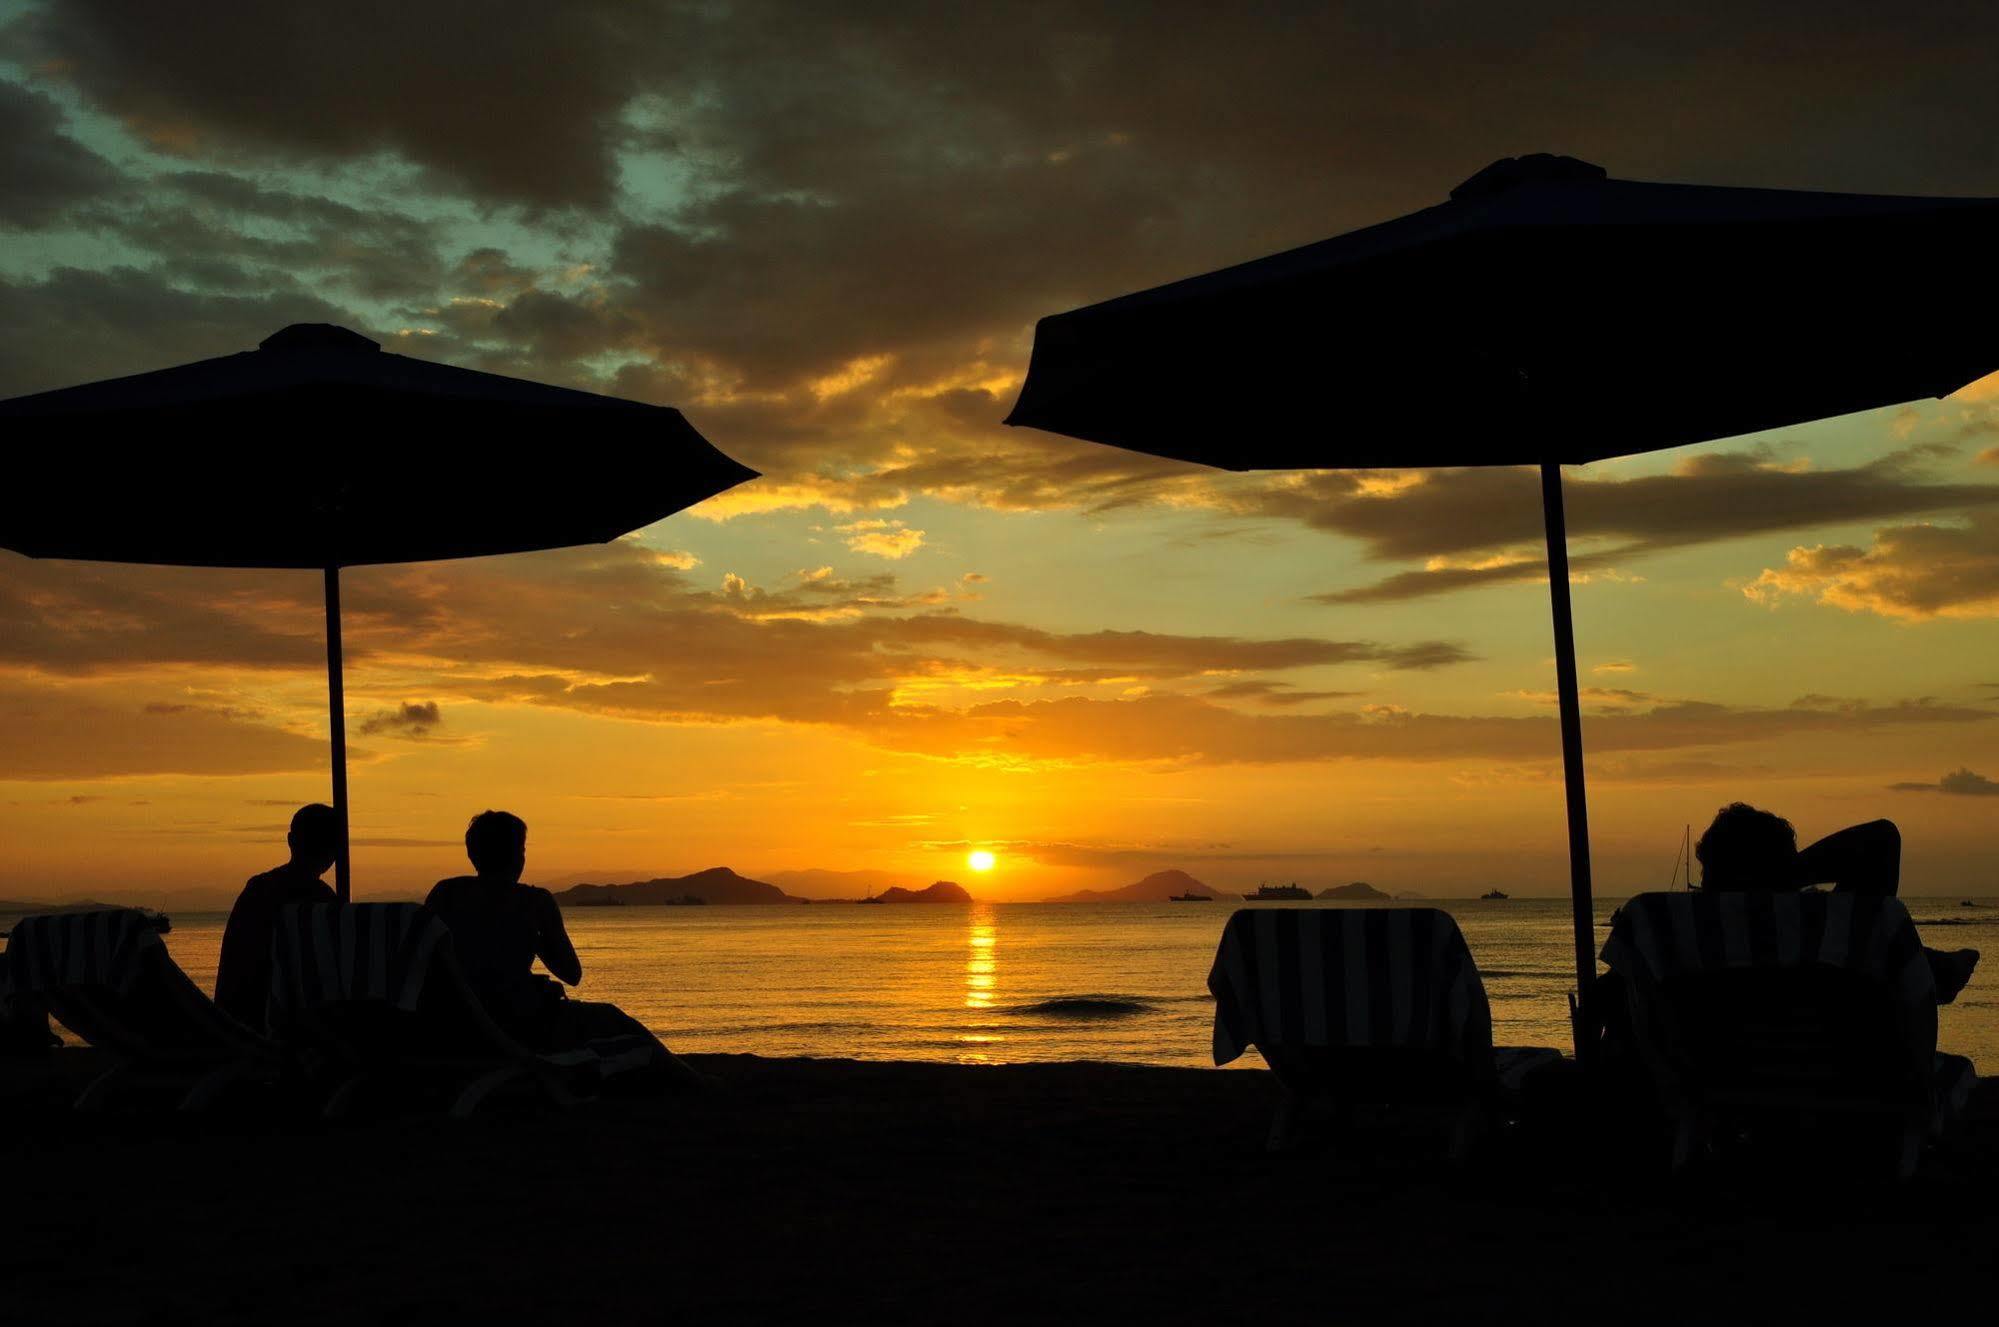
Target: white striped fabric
x,y
1347,977
1662,936
102,947
1665,935
331,952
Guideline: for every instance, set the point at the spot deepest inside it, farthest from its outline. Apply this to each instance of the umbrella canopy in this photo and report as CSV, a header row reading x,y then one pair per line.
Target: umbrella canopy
x,y
319,450
1545,315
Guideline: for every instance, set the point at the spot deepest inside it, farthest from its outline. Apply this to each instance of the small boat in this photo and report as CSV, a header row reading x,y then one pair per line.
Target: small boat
x,y
1190,898
1967,903
1266,893
1491,894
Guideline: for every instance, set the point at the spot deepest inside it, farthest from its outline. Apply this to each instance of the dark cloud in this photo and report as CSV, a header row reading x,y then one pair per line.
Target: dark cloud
x,y
1961,783
1266,692
525,101
215,231
77,325
43,171
813,184
411,719
516,100
1480,527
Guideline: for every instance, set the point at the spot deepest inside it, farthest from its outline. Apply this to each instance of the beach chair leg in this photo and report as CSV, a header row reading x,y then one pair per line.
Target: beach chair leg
x,y
97,1095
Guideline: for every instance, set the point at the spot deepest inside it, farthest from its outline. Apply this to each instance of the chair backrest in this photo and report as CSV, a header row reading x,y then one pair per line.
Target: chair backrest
x,y
377,982
106,976
334,953
103,947
1384,978
1807,995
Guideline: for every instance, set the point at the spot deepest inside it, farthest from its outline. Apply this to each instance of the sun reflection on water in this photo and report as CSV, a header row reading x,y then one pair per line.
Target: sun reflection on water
x,y
981,983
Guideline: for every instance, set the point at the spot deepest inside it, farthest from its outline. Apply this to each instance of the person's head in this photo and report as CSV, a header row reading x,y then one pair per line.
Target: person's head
x,y
1747,849
497,843
314,837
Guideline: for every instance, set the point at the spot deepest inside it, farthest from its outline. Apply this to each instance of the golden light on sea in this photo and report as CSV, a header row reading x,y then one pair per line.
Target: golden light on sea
x,y
980,860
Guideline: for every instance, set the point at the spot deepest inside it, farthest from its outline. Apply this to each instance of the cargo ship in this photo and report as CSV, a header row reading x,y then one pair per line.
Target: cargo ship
x,y
1280,893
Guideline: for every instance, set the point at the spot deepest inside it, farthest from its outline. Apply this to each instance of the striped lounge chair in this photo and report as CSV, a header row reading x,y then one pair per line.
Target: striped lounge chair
x,y
24,1020
1365,1006
106,976
1746,1007
375,991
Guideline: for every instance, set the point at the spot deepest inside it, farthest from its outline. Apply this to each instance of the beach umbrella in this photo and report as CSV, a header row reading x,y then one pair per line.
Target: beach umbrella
x,y
1545,315
318,450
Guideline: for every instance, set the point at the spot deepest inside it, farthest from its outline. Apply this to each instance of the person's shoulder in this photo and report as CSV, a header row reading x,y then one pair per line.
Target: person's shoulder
x,y
447,889
265,882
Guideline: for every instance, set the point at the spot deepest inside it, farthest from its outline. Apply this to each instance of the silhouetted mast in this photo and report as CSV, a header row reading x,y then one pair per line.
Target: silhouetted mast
x,y
1683,855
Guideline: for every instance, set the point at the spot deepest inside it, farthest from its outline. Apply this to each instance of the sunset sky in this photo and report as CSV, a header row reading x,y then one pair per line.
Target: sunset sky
x,y
824,233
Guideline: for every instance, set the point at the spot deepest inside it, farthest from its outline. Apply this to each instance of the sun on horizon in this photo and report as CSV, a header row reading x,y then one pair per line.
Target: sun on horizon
x,y
981,861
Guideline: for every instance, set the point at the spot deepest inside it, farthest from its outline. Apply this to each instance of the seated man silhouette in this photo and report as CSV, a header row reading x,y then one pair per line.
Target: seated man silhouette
x,y
1751,851
499,927
243,970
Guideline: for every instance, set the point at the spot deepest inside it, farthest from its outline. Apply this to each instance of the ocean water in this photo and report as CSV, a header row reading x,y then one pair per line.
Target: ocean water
x,y
996,983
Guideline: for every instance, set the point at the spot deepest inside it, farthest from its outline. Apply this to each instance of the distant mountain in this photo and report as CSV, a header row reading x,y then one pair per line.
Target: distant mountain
x,y
1359,889
589,878
943,891
16,906
824,884
717,884
1155,888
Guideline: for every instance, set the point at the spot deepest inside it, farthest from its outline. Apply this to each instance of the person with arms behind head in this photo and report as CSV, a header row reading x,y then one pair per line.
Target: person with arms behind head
x,y
499,927
243,970
1746,850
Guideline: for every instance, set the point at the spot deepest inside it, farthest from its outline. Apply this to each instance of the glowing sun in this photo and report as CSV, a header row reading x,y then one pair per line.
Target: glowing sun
x,y
980,860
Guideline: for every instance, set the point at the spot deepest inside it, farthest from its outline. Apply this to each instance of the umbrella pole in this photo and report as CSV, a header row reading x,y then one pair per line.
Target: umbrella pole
x,y
1572,755
336,701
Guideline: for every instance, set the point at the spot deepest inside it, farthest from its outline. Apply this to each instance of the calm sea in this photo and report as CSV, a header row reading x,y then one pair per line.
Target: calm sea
x,y
999,983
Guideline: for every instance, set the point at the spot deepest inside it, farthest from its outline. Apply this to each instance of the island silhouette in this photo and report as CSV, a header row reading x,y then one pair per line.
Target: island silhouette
x,y
1359,889
719,885
941,891
1159,887
716,885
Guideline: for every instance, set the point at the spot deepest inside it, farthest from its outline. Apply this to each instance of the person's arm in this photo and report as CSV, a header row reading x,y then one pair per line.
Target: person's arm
x,y
1861,859
552,945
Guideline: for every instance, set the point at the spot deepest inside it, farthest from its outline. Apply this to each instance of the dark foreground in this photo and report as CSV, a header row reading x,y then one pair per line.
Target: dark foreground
x,y
836,1190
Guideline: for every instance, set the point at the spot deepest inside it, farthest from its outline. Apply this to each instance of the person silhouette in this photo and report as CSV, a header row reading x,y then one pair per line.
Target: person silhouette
x,y
243,969
1753,851
499,927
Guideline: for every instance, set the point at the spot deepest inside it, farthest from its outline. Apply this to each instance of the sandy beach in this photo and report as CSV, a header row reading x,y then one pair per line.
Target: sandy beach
x,y
840,1190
